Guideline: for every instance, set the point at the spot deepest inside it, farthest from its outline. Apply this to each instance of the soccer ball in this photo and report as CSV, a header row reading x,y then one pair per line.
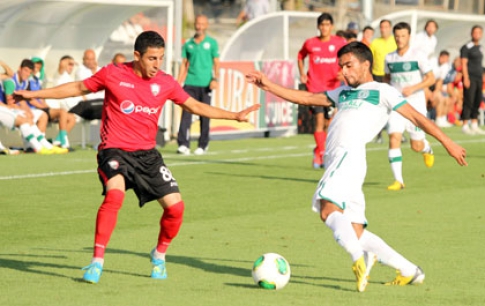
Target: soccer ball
x,y
271,271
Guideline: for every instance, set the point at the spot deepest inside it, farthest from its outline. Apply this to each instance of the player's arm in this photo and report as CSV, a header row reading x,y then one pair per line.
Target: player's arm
x,y
428,80
291,95
215,79
72,89
464,71
301,69
183,71
8,71
387,78
454,150
195,107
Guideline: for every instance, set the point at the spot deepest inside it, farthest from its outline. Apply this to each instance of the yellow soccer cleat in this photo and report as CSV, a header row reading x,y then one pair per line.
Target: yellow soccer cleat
x,y
360,270
417,278
396,186
44,151
58,150
428,159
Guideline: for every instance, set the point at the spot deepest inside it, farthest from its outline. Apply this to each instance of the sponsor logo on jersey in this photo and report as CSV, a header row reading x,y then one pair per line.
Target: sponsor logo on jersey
x,y
114,164
324,60
125,84
316,49
155,89
127,107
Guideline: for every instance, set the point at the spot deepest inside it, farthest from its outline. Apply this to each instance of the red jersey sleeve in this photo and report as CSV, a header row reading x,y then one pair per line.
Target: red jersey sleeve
x,y
303,51
178,94
97,81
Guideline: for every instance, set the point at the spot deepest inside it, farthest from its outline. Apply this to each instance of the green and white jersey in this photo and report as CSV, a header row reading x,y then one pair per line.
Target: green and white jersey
x,y
362,113
408,70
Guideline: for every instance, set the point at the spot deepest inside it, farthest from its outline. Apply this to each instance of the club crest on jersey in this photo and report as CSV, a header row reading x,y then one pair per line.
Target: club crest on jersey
x,y
206,45
406,66
363,94
155,89
114,164
331,48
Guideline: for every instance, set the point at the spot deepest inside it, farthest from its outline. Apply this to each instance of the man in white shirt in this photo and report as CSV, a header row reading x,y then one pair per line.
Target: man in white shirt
x,y
426,40
86,70
440,100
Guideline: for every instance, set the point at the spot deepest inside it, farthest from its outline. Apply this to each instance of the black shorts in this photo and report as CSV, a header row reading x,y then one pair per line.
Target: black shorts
x,y
321,109
144,172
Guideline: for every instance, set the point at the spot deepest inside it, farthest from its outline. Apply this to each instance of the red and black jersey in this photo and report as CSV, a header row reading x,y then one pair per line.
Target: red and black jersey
x,y
132,105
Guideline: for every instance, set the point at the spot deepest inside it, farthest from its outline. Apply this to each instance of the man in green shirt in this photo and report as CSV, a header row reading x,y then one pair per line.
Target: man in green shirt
x,y
199,72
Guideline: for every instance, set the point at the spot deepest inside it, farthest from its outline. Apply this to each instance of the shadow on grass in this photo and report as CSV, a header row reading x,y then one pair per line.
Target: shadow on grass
x,y
32,263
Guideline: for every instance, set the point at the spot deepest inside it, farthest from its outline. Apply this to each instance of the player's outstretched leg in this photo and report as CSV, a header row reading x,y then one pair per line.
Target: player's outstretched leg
x,y
416,278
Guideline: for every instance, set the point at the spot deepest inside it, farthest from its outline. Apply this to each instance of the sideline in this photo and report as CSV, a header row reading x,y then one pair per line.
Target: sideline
x,y
204,162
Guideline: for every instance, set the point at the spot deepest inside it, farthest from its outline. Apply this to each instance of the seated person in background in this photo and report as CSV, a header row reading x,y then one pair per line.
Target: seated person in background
x,y
66,120
439,95
39,72
118,58
454,84
20,80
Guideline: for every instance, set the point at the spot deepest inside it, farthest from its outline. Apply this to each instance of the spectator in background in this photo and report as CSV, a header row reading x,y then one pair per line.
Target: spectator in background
x,y
118,58
323,74
88,68
380,47
439,98
367,35
199,72
39,72
350,36
353,27
252,9
454,81
65,120
426,40
471,59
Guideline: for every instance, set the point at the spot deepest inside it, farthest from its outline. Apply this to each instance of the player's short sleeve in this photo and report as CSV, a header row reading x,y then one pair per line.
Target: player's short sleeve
x,y
178,94
184,51
386,67
97,81
214,49
303,51
425,65
391,97
333,95
8,87
464,51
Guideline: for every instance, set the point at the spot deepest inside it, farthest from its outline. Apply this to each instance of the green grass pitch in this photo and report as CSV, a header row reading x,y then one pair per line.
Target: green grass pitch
x,y
244,198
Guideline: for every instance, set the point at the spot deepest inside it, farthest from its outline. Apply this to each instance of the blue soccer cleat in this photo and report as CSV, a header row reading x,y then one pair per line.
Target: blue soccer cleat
x,y
158,271
93,273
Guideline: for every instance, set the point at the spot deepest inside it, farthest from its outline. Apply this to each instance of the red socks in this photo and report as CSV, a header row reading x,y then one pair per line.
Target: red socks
x,y
106,220
320,138
170,225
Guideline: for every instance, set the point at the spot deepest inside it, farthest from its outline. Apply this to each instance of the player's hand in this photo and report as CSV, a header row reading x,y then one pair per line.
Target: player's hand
x,y
466,82
20,95
259,79
458,153
242,116
303,78
407,91
213,85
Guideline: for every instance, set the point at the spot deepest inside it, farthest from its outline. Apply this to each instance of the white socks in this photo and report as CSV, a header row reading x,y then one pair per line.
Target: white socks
x,y
98,260
385,254
29,134
395,160
344,234
158,255
427,147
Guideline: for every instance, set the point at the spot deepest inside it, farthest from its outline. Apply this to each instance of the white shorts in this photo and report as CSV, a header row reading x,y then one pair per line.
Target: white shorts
x,y
398,124
37,113
342,182
8,116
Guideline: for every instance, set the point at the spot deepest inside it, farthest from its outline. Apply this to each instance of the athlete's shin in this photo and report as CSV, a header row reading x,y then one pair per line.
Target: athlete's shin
x,y
106,220
170,225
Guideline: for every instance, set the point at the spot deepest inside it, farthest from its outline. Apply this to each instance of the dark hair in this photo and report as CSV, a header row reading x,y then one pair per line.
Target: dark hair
x,y
367,28
27,63
431,21
444,52
349,35
476,27
359,50
402,26
148,39
340,33
385,20
66,57
323,17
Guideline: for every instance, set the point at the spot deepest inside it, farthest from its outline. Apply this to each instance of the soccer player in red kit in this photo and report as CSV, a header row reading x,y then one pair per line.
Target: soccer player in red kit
x,y
322,75
135,93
